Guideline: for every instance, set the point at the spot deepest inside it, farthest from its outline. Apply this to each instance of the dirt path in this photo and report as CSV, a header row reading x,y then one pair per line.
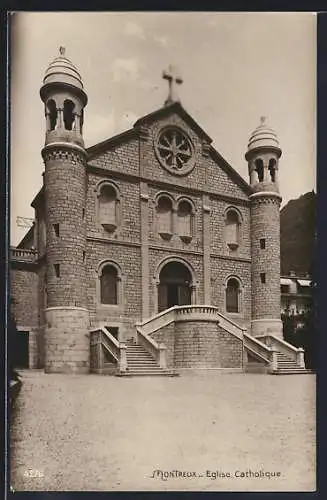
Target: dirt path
x,y
91,432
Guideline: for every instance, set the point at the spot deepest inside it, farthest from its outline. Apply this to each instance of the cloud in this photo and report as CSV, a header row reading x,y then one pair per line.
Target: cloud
x,y
125,69
133,29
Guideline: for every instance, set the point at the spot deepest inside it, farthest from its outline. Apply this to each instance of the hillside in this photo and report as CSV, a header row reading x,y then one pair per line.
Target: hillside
x,y
297,224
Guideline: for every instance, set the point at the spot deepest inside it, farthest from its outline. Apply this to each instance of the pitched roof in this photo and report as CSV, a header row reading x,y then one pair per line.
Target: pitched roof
x,y
238,179
175,107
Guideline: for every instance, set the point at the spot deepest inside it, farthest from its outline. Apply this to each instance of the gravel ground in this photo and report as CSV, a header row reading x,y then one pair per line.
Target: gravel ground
x,y
89,432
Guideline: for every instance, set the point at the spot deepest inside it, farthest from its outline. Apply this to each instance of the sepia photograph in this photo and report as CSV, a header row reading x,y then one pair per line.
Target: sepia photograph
x,y
161,330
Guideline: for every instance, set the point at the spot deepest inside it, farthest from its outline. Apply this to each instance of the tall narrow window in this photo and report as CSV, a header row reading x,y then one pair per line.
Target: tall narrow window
x,y
262,243
108,288
232,296
184,220
108,207
232,229
164,217
272,169
57,270
263,278
69,116
56,229
53,114
259,169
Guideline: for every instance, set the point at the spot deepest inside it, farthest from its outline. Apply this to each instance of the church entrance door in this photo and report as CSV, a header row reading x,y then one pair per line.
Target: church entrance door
x,y
174,286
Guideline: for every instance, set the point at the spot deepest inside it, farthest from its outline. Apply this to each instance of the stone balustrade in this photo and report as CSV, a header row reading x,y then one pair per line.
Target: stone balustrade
x,y
101,336
23,254
259,348
295,353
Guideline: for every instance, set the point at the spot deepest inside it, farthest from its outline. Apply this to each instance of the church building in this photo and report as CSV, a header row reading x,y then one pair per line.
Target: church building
x,y
149,254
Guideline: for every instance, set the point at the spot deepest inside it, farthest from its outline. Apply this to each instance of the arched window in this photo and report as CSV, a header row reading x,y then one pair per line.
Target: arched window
x,y
259,169
233,296
164,217
69,116
53,113
184,220
108,207
109,285
272,169
232,229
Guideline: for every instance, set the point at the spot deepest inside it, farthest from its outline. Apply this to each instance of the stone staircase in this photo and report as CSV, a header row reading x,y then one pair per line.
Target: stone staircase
x,y
287,366
140,363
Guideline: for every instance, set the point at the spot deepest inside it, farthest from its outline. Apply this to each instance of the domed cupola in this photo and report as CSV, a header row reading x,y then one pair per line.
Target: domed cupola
x,y
62,70
262,155
64,97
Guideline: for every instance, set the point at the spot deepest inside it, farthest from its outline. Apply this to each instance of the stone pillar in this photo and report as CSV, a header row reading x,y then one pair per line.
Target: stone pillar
x,y
206,250
145,249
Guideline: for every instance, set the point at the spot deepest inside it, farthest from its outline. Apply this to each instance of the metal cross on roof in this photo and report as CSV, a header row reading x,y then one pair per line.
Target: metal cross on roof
x,y
173,77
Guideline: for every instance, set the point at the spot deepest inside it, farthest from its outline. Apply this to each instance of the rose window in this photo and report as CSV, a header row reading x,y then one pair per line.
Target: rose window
x,y
175,151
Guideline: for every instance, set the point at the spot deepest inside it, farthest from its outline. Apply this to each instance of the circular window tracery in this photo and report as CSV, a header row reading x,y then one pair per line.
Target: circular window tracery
x,y
175,151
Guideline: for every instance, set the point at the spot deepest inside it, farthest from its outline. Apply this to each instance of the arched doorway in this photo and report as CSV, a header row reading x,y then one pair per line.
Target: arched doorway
x,y
175,286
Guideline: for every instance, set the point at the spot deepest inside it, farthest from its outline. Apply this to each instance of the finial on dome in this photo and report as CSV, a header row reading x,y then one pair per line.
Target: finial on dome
x,y
263,120
62,50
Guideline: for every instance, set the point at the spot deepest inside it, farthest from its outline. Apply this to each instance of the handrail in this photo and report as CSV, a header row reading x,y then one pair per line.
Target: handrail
x,y
282,342
180,313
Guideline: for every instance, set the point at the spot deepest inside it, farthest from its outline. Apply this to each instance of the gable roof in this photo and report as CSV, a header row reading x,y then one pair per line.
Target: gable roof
x,y
175,107
162,112
233,174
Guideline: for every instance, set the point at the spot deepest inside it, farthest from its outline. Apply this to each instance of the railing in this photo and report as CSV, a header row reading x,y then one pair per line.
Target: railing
x,y
25,254
195,312
158,321
295,353
157,351
189,313
101,336
259,348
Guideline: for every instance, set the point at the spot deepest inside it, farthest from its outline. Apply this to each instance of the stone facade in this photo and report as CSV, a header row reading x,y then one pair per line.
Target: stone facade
x,y
74,244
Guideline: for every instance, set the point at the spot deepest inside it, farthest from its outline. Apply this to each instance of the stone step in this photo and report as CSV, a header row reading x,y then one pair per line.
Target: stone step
x,y
299,371
144,361
145,373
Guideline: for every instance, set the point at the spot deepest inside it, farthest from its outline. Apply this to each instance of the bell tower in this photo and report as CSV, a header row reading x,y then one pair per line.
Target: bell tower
x,y
263,155
66,315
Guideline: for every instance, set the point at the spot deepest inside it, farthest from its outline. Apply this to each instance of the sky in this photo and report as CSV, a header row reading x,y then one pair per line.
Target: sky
x,y
235,67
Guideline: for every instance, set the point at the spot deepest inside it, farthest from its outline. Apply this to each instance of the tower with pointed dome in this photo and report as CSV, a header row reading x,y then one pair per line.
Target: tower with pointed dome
x,y
66,342
263,155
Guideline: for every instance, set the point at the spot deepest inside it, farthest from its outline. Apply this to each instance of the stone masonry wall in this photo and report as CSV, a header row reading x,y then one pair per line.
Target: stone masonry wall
x,y
128,311
67,342
64,182
129,228
24,285
166,336
221,269
201,344
217,229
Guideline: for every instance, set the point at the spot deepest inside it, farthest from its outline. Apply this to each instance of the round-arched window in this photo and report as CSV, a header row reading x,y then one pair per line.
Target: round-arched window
x,y
108,285
233,296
